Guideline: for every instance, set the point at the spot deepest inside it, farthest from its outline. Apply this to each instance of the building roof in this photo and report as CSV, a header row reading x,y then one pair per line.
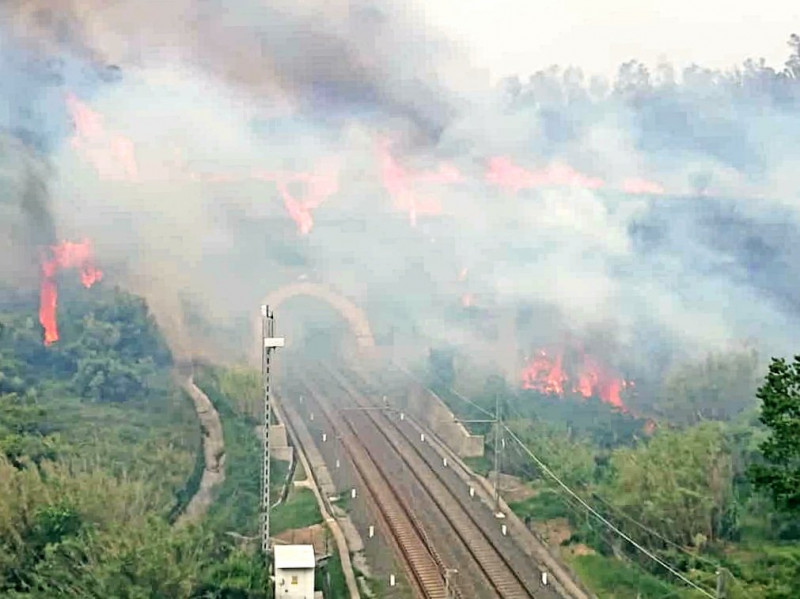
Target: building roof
x,y
294,556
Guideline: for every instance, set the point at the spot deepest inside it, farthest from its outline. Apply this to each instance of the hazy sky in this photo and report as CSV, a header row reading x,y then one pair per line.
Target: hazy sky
x,y
521,36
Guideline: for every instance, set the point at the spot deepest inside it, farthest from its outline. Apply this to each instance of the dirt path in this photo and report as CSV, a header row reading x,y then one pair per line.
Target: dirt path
x,y
213,451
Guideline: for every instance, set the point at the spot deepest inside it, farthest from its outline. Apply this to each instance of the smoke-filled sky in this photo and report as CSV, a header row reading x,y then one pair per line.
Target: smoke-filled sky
x,y
215,150
509,37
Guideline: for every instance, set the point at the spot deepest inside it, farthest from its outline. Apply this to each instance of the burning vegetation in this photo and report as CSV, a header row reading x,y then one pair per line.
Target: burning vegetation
x,y
318,185
401,183
503,172
65,255
559,372
283,88
111,154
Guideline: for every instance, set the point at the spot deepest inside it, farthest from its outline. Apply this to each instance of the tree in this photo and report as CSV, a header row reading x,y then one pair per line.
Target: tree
x,y
717,388
779,473
22,430
679,484
793,63
572,460
243,386
108,378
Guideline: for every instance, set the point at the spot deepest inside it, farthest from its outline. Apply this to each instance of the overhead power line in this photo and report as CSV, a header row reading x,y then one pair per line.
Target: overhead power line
x,y
594,512
655,533
674,571
472,403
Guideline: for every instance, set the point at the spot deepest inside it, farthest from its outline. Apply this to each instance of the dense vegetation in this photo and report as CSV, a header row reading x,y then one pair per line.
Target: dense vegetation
x,y
779,471
236,394
700,475
98,451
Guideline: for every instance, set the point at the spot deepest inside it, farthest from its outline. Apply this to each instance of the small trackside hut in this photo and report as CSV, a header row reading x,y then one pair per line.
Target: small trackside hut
x,y
294,571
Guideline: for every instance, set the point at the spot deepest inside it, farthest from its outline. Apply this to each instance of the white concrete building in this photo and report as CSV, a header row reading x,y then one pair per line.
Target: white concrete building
x,y
294,571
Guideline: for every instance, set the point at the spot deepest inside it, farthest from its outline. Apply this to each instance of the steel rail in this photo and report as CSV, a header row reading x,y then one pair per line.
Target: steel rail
x,y
418,554
500,573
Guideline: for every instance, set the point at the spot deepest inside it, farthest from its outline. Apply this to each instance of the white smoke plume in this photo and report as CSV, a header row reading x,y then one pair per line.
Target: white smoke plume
x,y
660,209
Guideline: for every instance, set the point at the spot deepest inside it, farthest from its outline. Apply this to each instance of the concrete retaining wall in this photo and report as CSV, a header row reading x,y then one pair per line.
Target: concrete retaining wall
x,y
279,443
427,408
277,436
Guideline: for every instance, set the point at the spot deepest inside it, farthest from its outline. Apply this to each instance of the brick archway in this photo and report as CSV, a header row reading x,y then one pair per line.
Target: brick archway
x,y
355,316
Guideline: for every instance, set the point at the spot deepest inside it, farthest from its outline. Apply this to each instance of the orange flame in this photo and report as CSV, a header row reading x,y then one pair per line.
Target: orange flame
x,y
64,255
318,187
48,300
547,374
642,186
503,172
544,374
111,154
400,182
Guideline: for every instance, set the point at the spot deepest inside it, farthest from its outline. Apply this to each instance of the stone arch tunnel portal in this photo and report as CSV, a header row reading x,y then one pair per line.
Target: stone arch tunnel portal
x,y
355,317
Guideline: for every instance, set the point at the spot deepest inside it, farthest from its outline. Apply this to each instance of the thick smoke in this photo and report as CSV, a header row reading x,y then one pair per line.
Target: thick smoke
x,y
25,219
656,211
337,54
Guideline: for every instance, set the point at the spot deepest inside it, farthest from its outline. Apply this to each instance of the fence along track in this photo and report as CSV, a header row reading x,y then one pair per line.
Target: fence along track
x,y
418,553
501,574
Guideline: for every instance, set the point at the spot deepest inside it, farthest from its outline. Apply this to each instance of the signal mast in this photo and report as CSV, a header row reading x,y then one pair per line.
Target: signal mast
x,y
269,343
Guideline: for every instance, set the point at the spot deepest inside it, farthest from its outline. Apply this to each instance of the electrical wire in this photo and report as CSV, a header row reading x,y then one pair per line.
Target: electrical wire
x,y
603,535
605,521
472,403
654,533
636,522
674,571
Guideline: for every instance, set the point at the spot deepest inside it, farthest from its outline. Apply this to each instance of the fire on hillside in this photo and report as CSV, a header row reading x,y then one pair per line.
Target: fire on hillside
x,y
58,257
557,372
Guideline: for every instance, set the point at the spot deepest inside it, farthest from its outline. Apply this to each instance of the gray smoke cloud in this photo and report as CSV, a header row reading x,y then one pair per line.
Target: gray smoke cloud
x,y
200,104
26,222
358,53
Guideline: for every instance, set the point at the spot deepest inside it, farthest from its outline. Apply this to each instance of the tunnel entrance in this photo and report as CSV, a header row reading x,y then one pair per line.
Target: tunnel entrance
x,y
311,325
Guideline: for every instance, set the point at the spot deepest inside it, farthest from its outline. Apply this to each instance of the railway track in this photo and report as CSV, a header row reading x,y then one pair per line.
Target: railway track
x,y
369,427
426,572
506,579
524,549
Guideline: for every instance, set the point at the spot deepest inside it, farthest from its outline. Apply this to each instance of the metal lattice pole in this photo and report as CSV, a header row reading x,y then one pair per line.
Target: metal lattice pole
x,y
268,343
